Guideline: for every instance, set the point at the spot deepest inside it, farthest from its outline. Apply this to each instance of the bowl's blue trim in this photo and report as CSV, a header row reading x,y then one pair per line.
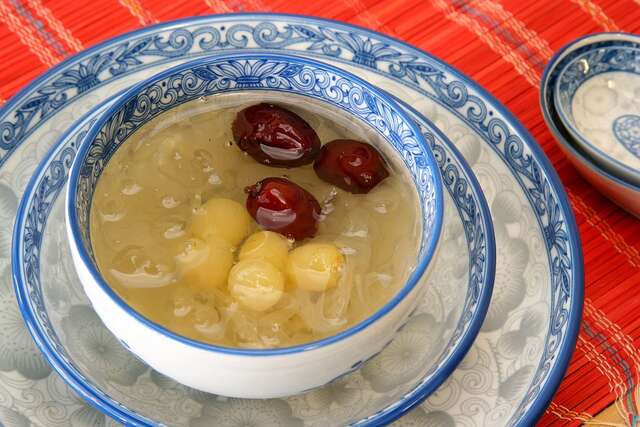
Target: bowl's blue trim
x,y
540,401
550,113
561,110
87,143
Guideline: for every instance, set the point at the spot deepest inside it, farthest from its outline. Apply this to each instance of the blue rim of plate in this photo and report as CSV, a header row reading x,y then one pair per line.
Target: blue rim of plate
x,y
552,119
538,397
121,413
86,143
559,66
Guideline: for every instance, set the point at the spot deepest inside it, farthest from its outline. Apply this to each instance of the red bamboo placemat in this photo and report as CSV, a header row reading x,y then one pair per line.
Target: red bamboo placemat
x,y
504,45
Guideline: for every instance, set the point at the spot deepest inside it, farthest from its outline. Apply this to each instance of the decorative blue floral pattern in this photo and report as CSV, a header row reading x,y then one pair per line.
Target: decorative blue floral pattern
x,y
130,55
594,59
627,130
83,75
408,66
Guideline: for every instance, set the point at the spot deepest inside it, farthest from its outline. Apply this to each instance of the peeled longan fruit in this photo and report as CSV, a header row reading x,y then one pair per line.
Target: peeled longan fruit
x,y
268,246
205,263
315,266
256,284
223,218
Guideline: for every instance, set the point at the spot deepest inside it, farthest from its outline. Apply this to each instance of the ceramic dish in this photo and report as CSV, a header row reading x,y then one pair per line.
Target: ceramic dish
x,y
597,98
537,298
285,80
622,192
435,338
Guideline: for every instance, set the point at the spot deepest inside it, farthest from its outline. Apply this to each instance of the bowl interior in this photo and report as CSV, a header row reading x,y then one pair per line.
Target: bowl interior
x,y
300,83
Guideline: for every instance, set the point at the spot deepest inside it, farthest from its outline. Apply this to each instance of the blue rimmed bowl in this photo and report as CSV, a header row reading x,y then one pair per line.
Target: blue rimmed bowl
x,y
620,190
597,99
287,80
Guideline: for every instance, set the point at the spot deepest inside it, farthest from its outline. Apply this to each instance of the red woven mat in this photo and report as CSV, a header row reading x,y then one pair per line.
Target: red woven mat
x,y
504,45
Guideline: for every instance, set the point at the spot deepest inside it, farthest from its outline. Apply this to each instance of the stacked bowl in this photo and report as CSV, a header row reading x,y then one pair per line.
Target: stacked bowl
x,y
282,220
590,98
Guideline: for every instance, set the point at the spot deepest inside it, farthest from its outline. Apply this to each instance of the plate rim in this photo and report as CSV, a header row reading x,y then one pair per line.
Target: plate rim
x,y
544,396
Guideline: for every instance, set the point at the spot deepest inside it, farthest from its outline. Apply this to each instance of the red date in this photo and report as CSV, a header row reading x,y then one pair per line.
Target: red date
x,y
279,205
275,136
354,166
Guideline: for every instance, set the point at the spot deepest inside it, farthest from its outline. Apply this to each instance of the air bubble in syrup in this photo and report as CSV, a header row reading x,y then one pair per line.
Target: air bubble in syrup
x,y
214,179
169,202
130,188
183,302
112,210
174,231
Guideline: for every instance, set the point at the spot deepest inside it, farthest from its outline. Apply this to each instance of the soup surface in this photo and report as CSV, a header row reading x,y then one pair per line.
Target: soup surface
x,y
156,192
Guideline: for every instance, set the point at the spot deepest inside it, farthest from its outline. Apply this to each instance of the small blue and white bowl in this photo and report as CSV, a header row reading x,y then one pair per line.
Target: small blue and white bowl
x,y
287,80
596,118
597,97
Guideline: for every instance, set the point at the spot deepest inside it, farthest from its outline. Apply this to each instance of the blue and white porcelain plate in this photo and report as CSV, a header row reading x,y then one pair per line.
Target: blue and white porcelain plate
x,y
516,363
412,366
597,97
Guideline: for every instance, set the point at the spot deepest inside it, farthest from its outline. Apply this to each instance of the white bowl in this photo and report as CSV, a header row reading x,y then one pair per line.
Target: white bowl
x,y
287,79
622,192
597,99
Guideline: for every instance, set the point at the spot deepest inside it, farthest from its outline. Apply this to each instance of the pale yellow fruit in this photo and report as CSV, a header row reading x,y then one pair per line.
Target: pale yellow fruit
x,y
224,218
205,263
315,266
268,246
256,284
